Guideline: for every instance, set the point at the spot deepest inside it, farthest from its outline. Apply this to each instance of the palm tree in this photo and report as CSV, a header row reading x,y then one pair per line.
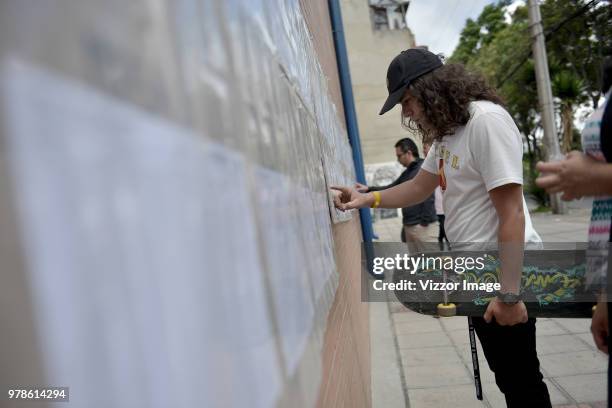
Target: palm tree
x,y
570,90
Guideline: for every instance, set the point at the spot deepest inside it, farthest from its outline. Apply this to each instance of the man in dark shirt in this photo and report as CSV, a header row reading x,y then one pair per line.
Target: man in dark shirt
x,y
419,220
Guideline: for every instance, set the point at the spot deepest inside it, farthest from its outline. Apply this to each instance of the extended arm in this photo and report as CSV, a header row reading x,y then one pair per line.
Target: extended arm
x,y
362,188
380,188
576,176
412,192
405,194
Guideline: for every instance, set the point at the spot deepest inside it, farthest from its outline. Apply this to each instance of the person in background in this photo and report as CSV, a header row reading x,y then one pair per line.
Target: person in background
x,y
590,174
418,220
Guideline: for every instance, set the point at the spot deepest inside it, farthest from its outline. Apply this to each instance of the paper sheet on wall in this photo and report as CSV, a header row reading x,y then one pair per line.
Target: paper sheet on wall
x,y
285,264
141,252
334,178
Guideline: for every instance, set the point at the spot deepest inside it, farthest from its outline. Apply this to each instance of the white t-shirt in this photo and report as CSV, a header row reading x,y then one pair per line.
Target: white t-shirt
x,y
484,154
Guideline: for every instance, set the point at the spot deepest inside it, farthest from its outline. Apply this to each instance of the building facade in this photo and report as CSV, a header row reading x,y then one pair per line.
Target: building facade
x,y
375,32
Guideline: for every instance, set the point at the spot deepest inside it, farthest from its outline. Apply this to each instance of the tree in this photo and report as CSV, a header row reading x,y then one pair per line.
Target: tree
x,y
481,32
570,90
577,40
581,42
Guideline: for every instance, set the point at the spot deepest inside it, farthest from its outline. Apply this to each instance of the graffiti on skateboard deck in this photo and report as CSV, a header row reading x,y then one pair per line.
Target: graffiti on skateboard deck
x,y
553,285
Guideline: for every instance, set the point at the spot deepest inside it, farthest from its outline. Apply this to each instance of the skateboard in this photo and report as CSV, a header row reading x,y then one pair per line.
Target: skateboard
x,y
553,285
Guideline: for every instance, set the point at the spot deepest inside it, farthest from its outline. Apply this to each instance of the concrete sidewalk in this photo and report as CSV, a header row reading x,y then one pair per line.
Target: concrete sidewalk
x,y
424,362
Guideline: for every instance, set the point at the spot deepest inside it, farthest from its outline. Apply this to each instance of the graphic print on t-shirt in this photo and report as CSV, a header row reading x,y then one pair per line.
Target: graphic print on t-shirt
x,y
441,176
445,155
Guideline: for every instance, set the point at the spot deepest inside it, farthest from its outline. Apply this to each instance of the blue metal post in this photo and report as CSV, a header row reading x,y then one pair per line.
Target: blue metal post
x,y
349,110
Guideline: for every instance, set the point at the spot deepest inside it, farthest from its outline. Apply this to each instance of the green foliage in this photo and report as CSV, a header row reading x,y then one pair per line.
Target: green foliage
x,y
568,86
530,186
578,38
481,32
581,43
540,195
468,43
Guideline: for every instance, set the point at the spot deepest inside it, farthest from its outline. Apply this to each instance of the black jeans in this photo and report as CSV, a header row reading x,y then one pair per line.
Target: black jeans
x,y
441,231
511,354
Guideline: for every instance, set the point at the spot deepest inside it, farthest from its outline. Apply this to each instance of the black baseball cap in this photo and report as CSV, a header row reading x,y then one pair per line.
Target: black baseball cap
x,y
405,68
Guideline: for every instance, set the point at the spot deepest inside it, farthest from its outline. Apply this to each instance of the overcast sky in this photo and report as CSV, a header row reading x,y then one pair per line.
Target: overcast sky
x,y
438,23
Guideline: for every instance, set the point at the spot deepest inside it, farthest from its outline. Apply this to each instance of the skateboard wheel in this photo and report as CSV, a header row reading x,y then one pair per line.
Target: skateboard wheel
x,y
447,310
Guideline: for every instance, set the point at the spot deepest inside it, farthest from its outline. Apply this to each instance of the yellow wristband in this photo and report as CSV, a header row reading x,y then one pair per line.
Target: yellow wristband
x,y
376,199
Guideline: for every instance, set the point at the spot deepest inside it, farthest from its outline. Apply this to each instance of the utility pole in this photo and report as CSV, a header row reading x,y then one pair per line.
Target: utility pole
x,y
547,109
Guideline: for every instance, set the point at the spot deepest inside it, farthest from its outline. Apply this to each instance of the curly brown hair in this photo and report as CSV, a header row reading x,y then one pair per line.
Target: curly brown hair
x,y
444,95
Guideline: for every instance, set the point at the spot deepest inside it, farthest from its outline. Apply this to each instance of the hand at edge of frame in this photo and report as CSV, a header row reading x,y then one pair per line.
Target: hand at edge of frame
x,y
599,326
346,198
570,176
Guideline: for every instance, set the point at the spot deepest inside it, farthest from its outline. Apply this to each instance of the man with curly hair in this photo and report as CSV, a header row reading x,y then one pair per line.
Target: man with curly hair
x,y
476,159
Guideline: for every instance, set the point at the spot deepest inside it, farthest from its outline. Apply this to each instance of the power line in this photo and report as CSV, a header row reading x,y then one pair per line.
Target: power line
x,y
547,35
446,25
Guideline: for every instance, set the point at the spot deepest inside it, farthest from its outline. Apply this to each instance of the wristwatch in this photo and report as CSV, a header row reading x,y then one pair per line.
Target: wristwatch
x,y
508,298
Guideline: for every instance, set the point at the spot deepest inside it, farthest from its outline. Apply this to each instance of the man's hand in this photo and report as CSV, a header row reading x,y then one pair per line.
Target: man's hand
x,y
362,188
346,198
506,315
570,176
599,326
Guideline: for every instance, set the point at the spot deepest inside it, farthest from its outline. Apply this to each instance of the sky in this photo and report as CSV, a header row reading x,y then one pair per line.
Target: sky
x,y
438,23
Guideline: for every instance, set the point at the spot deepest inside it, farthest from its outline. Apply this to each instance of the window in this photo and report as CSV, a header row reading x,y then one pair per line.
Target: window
x,y
388,14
